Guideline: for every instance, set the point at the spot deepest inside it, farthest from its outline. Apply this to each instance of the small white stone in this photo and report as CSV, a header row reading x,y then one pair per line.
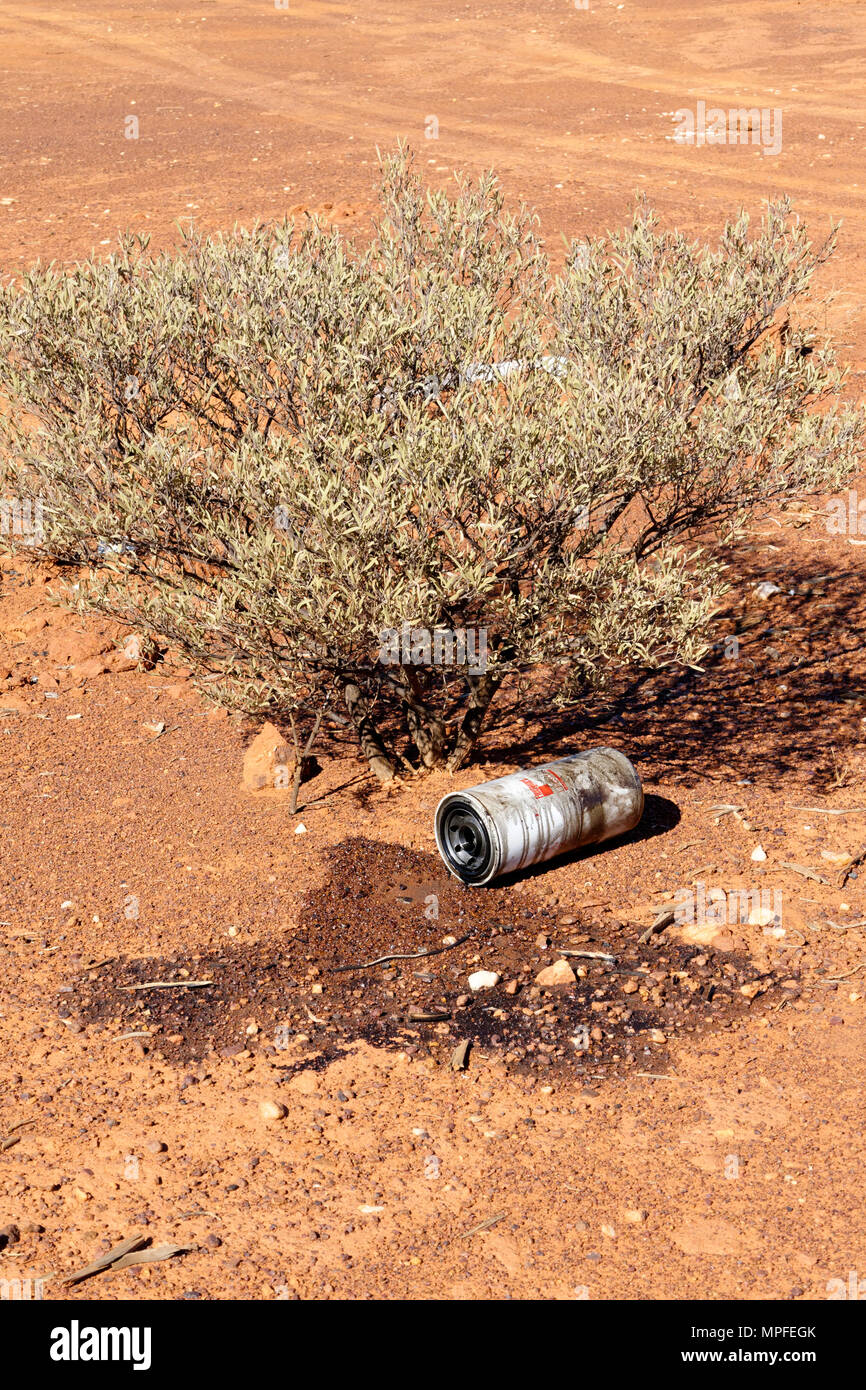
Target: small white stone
x,y
484,979
300,828
759,854
761,917
766,590
271,1110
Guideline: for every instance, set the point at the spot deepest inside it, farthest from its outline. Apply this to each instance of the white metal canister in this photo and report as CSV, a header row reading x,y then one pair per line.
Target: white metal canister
x,y
531,816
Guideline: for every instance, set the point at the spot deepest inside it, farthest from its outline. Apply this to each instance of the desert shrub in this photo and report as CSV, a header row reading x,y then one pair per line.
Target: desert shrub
x,y
306,463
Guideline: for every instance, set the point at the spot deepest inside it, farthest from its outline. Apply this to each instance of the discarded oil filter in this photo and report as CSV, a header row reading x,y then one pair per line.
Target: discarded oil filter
x,y
531,816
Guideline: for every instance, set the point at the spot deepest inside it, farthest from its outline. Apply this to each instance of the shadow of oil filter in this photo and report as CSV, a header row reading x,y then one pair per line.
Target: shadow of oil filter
x,y
531,816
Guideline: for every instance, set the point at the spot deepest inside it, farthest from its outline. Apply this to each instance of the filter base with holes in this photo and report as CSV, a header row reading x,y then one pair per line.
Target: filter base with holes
x,y
464,841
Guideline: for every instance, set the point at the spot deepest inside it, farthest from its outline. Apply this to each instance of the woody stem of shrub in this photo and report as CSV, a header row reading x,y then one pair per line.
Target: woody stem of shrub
x,y
369,738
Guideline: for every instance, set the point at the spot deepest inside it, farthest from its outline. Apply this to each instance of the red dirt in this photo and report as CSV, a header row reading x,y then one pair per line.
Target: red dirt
x,y
737,1138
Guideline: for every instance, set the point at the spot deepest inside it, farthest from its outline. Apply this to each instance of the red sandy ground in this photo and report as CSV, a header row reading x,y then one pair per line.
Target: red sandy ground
x,y
247,112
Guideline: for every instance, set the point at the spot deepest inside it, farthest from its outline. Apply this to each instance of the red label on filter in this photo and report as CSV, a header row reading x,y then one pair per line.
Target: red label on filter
x,y
538,789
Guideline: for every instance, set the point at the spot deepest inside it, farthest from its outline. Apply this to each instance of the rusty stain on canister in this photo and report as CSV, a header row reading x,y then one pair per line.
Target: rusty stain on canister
x,y
530,816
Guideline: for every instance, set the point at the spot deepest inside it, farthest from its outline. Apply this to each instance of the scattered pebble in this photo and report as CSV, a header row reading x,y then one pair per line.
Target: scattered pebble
x,y
750,991
270,1110
483,979
9,1235
761,916
560,973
